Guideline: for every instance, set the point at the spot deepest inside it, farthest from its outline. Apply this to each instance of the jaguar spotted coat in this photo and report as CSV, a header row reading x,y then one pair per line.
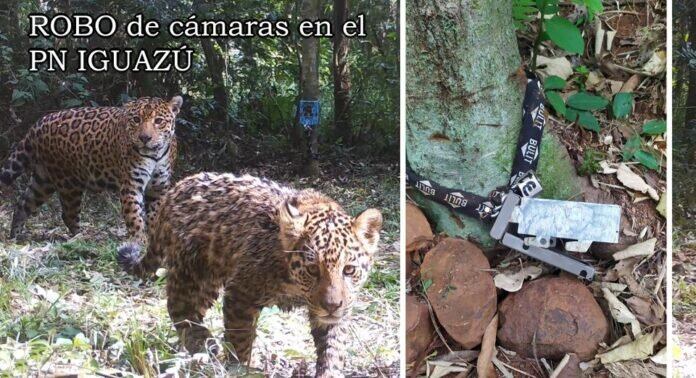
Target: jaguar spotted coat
x,y
128,149
265,244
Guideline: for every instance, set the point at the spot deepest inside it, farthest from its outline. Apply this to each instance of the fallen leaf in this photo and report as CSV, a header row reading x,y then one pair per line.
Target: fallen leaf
x,y
639,349
560,67
656,64
512,282
444,368
620,311
646,248
662,206
484,364
607,169
632,181
660,357
644,311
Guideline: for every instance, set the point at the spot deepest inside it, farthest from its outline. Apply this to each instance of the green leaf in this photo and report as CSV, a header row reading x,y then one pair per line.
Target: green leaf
x,y
622,105
556,102
19,98
647,159
426,284
655,127
582,70
571,114
554,82
586,101
564,34
40,86
588,121
630,147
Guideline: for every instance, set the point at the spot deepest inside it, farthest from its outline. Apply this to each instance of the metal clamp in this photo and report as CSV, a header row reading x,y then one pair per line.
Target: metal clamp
x,y
508,214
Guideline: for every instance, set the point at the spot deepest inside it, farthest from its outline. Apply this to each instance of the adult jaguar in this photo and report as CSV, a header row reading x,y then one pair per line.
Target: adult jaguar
x,y
266,244
129,149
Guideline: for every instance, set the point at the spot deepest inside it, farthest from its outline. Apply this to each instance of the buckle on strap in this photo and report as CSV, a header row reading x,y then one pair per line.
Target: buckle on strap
x,y
527,185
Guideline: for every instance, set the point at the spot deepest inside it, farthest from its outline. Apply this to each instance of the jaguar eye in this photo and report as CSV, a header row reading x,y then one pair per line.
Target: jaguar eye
x,y
158,120
136,119
313,270
349,270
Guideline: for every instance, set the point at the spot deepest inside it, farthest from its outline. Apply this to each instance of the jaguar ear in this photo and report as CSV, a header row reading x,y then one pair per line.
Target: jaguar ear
x,y
291,222
366,227
175,104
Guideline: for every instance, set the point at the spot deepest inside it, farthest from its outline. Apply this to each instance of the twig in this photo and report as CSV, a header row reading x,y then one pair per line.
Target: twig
x,y
369,350
434,321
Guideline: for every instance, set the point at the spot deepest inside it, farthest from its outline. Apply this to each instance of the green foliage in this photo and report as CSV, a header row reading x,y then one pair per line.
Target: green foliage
x,y
554,82
260,76
551,84
590,162
587,101
622,105
556,102
634,149
564,34
523,11
588,121
648,159
655,127
630,148
553,27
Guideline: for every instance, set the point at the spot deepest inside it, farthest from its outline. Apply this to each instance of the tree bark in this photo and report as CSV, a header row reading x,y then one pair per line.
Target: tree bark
x,y
341,74
215,64
309,84
464,92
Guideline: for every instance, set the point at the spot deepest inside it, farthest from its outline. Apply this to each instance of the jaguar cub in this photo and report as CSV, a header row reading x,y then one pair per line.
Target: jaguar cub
x,y
129,149
265,244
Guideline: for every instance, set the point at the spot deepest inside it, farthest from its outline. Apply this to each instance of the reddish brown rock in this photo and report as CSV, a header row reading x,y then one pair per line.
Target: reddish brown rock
x,y
418,232
460,289
572,368
563,314
419,328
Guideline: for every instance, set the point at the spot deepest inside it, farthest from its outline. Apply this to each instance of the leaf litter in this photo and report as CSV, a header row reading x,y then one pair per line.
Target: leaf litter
x,y
630,172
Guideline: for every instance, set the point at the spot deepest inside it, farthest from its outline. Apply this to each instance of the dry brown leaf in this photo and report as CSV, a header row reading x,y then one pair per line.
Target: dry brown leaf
x,y
560,67
620,311
484,364
512,282
639,349
632,181
646,312
646,248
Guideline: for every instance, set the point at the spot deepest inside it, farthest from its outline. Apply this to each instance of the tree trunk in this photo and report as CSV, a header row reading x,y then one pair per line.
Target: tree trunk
x,y
216,66
464,106
341,74
309,84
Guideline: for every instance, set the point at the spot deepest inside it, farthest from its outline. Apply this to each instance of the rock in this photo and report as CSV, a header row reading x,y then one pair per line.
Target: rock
x,y
418,232
563,314
419,328
460,289
572,368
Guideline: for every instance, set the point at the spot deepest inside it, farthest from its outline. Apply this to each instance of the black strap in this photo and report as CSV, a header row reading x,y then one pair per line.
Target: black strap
x,y
533,122
525,161
459,201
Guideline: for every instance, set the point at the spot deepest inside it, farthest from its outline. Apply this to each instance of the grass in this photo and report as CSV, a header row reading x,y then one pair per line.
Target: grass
x,y
66,307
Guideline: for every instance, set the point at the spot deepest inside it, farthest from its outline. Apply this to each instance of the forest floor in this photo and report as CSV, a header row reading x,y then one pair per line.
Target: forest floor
x,y
684,302
66,307
631,291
